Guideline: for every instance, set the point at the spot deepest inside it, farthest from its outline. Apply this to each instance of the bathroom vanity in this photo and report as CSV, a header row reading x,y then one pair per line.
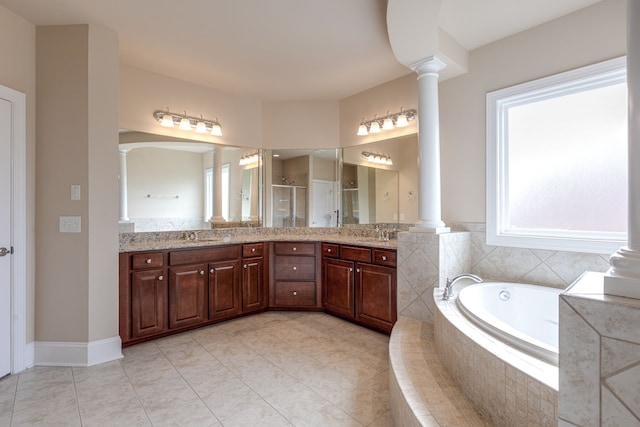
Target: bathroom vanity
x,y
168,287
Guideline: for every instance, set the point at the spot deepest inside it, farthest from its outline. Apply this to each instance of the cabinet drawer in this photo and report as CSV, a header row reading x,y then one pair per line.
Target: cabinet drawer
x,y
220,253
295,293
295,267
295,248
352,253
139,261
252,249
384,257
330,250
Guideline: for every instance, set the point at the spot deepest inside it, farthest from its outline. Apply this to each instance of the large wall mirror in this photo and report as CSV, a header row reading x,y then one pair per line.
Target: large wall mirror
x,y
178,184
302,187
379,182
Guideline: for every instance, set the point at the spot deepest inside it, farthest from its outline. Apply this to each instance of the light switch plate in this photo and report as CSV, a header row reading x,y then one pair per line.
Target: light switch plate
x,y
70,224
75,192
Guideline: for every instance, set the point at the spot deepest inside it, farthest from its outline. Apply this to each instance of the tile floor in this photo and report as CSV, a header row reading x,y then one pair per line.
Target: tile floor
x,y
271,369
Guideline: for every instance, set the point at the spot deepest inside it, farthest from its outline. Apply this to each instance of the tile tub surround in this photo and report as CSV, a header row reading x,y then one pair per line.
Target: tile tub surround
x,y
426,260
508,386
599,356
272,369
421,393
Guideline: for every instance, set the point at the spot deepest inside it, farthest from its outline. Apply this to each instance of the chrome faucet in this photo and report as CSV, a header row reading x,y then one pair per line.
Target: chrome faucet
x,y
448,289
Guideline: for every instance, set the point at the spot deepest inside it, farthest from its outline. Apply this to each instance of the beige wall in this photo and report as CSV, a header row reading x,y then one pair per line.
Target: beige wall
x,y
143,92
591,35
18,72
300,124
76,291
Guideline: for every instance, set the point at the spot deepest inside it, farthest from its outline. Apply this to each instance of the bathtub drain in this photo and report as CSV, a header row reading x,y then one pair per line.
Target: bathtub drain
x,y
504,295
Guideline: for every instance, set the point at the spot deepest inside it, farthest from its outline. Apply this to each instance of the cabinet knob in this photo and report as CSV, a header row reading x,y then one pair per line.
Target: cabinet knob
x,y
350,269
384,258
160,277
295,293
202,273
148,261
357,270
295,268
211,271
294,248
329,250
245,266
253,249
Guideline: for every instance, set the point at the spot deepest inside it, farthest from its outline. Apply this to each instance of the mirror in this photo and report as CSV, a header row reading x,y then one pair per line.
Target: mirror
x,y
170,184
302,188
377,193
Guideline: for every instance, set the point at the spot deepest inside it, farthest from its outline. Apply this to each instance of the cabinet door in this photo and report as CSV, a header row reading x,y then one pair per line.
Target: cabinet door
x,y
187,304
225,293
148,303
376,296
254,295
337,285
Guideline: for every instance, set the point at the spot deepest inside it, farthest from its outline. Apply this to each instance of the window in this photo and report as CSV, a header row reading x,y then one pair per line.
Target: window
x,y
225,191
557,161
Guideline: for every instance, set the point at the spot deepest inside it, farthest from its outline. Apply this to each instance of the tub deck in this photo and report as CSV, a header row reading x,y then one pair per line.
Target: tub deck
x,y
421,392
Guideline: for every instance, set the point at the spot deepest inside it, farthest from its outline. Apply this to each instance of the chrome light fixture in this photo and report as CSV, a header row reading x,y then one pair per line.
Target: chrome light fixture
x,y
249,158
399,119
200,125
381,159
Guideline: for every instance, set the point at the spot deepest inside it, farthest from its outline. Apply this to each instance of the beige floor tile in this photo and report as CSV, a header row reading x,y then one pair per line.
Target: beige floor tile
x,y
8,384
52,404
328,415
6,408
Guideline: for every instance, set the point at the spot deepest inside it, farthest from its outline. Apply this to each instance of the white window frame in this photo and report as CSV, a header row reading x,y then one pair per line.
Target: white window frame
x,y
224,187
497,105
208,193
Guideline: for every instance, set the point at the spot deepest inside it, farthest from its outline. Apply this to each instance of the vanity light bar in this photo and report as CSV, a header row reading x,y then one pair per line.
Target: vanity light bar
x,y
381,159
388,122
200,125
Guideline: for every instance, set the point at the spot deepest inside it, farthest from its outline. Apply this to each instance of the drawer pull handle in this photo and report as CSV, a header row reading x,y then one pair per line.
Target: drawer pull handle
x,y
148,261
294,248
295,293
295,268
160,277
253,249
384,258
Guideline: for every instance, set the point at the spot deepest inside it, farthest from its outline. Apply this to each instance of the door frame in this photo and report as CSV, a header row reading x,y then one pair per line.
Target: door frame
x,y
20,357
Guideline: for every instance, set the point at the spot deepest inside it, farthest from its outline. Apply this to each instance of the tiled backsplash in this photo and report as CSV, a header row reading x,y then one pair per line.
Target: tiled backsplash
x,y
425,261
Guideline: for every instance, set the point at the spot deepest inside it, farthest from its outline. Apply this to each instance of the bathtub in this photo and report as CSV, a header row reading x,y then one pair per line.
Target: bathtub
x,y
523,316
490,341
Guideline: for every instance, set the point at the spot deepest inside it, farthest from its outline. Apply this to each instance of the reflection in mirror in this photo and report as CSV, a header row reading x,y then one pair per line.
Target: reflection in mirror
x,y
175,184
378,193
303,188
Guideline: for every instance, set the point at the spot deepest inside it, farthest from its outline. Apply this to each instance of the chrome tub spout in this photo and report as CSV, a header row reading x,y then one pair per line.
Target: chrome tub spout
x,y
448,289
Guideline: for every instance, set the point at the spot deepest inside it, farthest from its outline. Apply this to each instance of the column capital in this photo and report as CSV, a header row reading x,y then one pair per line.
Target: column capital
x,y
430,65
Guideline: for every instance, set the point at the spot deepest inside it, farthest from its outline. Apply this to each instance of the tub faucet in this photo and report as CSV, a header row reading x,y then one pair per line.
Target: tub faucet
x,y
448,289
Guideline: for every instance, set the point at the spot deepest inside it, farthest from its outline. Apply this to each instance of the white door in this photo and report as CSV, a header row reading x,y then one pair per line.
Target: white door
x,y
324,214
5,236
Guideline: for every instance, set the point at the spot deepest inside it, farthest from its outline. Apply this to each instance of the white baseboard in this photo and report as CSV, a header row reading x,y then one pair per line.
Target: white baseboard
x,y
77,353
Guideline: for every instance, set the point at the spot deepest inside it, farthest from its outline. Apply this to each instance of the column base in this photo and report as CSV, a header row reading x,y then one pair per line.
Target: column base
x,y
623,277
430,228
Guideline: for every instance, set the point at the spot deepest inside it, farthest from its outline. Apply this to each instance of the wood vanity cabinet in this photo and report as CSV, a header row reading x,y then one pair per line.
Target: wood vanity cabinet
x,y
360,284
294,276
254,280
163,292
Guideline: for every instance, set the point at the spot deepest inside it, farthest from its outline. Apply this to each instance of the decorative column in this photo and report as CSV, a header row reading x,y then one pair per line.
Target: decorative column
x,y
623,277
216,182
124,210
429,208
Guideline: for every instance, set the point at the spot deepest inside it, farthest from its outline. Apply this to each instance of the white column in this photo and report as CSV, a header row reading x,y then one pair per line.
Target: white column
x,y
124,210
429,197
623,277
216,197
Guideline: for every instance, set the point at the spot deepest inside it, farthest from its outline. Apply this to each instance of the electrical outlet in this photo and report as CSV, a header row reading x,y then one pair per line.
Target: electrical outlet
x,y
401,217
70,224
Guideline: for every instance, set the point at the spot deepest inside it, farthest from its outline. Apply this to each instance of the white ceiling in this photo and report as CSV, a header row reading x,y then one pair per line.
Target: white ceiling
x,y
280,49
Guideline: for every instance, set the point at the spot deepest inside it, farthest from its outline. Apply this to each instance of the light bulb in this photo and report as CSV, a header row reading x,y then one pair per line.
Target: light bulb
x,y
167,120
201,127
185,124
388,123
216,129
375,127
362,130
402,121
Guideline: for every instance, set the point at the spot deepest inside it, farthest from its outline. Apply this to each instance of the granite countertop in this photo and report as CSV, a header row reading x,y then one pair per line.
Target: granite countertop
x,y
136,242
